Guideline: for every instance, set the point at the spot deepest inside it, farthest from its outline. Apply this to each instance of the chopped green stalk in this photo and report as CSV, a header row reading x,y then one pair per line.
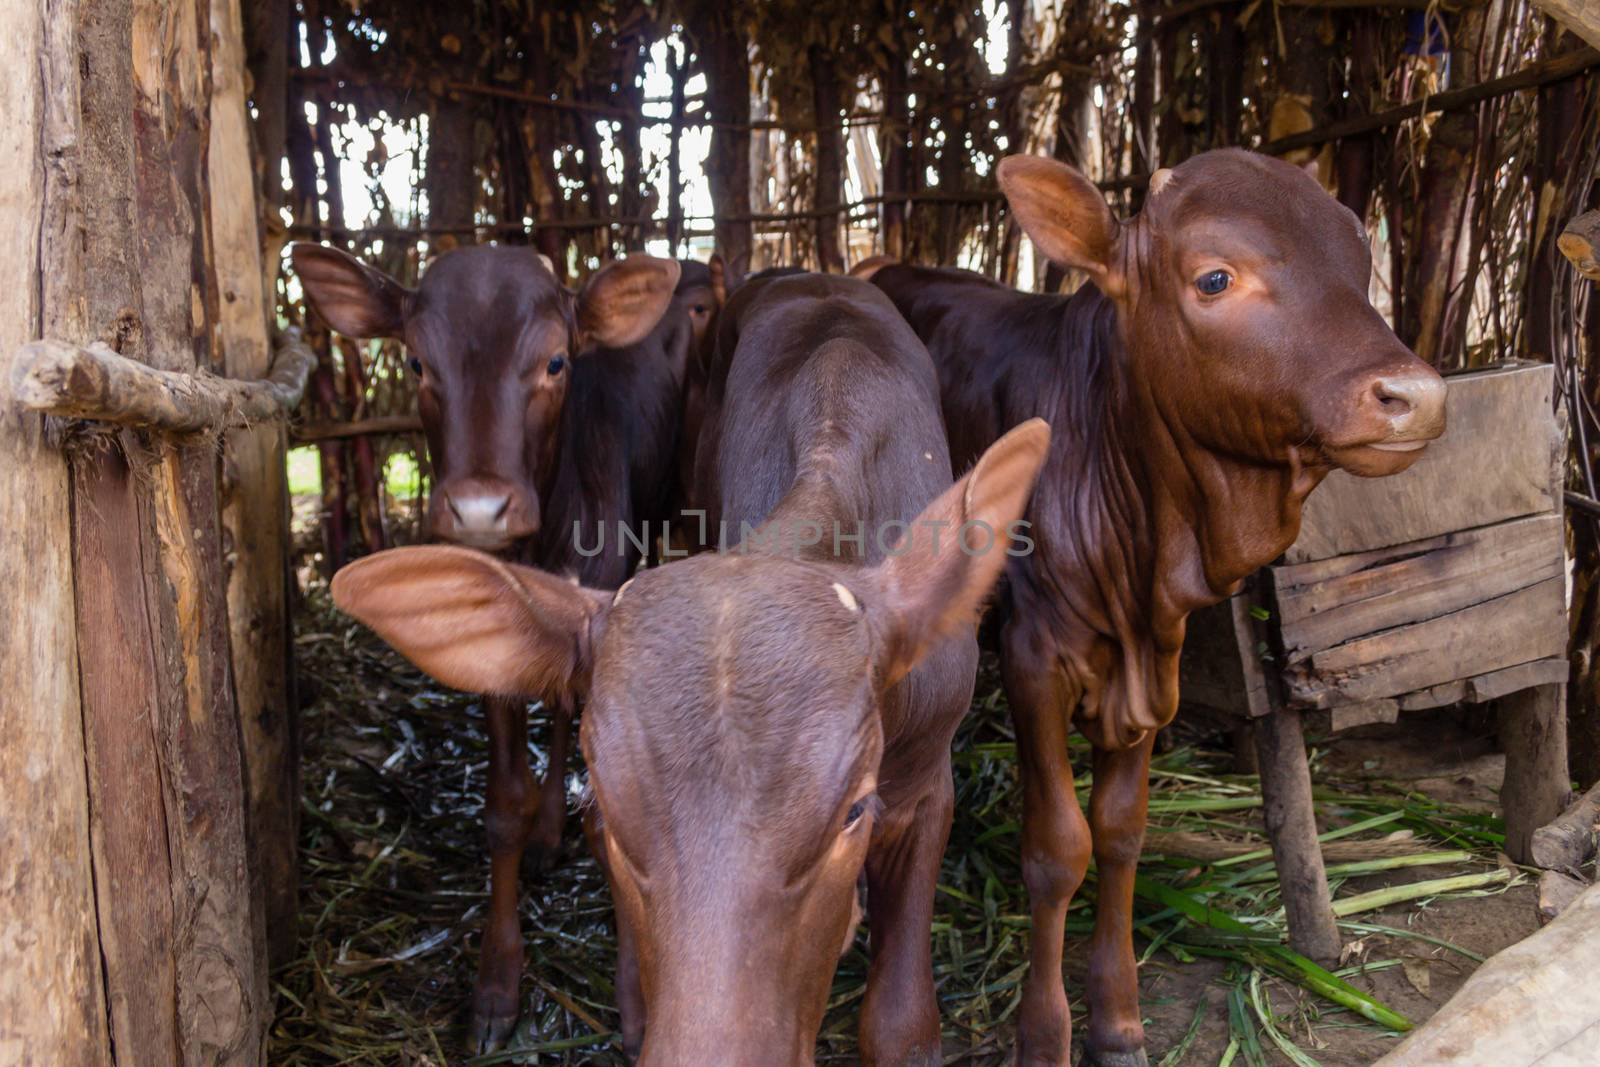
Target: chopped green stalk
x,y
1331,835
1175,1056
1239,1022
1397,894
1285,961
1358,867
1264,1013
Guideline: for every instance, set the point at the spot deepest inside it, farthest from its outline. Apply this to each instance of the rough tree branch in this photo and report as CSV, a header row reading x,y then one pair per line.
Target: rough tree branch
x,y
73,381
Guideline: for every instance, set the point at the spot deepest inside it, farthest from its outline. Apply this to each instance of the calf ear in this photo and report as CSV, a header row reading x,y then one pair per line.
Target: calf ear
x,y
870,266
623,300
936,580
1062,212
474,622
353,298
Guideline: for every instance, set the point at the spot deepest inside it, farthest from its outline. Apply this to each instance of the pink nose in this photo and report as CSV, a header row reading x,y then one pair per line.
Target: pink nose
x,y
480,513
483,514
1413,404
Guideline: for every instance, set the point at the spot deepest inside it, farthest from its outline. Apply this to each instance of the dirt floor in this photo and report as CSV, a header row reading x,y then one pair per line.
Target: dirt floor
x,y
394,880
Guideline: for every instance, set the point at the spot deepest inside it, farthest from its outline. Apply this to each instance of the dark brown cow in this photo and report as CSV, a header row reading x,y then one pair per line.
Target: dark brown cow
x,y
545,412
1223,361
762,725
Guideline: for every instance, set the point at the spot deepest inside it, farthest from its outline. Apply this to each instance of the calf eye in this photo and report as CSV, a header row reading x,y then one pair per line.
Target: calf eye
x,y
1213,282
699,309
858,809
416,365
557,363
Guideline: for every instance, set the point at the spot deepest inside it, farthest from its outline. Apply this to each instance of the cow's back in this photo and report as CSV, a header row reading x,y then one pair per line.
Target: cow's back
x,y
812,355
1005,356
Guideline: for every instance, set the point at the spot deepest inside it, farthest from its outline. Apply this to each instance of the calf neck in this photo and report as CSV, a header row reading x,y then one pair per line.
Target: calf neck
x,y
1221,361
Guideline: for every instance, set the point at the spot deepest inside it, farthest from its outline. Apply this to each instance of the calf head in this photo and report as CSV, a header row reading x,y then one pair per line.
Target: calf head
x,y
1241,291
491,335
696,297
732,731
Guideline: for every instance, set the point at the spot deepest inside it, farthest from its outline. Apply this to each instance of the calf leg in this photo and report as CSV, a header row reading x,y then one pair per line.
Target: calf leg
x,y
1055,848
511,804
630,994
1117,811
545,839
900,1012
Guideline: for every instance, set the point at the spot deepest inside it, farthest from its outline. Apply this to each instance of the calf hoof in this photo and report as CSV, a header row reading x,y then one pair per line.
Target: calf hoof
x,y
494,1017
487,1032
1094,1058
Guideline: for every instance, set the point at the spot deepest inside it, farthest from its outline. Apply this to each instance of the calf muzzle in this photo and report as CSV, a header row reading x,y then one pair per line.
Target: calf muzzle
x,y
483,514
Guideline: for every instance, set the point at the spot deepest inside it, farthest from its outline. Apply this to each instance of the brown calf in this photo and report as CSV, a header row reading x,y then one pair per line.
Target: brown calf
x,y
1223,361
762,725
544,412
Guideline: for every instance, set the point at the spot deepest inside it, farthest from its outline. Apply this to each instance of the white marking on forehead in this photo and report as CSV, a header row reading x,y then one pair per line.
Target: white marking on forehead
x,y
623,588
846,597
927,455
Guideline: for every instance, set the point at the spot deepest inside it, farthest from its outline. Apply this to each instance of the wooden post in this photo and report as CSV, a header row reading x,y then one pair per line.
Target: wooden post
x,y
123,756
255,516
1286,792
1533,733
674,175
1433,315
52,1000
724,53
895,148
829,175
1292,826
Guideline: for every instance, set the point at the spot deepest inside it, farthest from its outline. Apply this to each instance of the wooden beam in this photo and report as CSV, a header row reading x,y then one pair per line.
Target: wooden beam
x,y
1582,17
1533,75
71,381
378,425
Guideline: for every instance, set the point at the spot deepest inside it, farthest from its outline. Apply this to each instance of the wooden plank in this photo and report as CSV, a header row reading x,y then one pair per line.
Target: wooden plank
x,y
1416,581
1209,671
1349,716
1485,687
52,1001
1525,625
1502,429
1534,1003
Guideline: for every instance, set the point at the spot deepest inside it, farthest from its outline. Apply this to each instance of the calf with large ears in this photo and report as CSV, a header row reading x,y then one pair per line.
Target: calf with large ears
x,y
735,734
544,410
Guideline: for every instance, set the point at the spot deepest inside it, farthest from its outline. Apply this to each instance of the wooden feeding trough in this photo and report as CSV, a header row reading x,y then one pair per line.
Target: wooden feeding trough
x,y
1443,585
